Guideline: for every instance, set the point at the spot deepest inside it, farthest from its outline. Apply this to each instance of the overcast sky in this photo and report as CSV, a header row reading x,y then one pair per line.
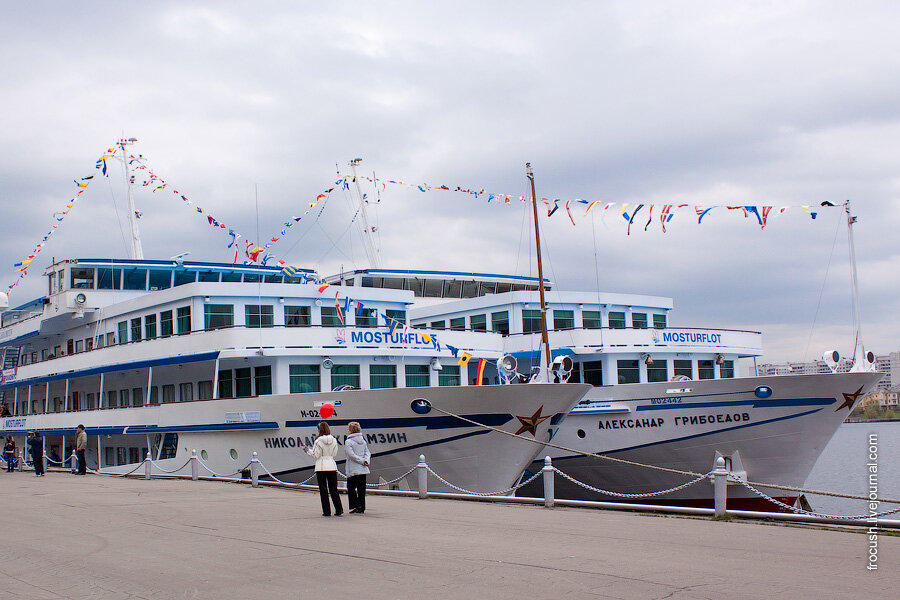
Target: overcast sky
x,y
701,103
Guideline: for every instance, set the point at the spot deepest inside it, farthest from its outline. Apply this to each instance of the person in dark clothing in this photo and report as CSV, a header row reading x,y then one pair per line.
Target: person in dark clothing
x,y
80,447
9,454
4,411
36,443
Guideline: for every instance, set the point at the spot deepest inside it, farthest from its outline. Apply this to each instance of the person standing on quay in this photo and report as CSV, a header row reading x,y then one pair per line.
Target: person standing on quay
x,y
324,449
36,443
80,447
9,454
358,456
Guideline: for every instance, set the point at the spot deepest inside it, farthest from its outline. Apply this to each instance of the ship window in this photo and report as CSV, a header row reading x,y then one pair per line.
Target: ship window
x,y
305,379
79,346
82,278
417,286
449,376
70,346
726,369
111,338
252,278
397,315
478,322
563,319
593,372
60,275
470,289
124,398
438,324
639,320
500,322
154,394
263,380
629,371
168,393
137,397
683,367
186,391
170,446
208,276
134,279
330,317
204,390
433,288
393,283
136,330
366,318
590,319
242,383
184,277
184,320
453,289
416,375
226,389
382,376
274,278
371,282
160,280
109,279
165,323
112,399
658,371
659,321
296,316
99,342
531,320
503,287
342,375
231,277
217,315
616,320
259,315
458,324
150,327
705,369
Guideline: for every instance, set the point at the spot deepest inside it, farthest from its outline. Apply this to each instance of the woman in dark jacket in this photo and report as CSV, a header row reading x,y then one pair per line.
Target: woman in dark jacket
x,y
9,454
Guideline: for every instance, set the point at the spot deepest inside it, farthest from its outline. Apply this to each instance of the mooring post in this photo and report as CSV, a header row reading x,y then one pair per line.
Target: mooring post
x,y
195,466
720,486
254,469
21,459
148,464
422,468
73,461
548,482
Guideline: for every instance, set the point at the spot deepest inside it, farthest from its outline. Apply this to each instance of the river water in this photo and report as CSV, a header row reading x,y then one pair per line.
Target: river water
x,y
844,467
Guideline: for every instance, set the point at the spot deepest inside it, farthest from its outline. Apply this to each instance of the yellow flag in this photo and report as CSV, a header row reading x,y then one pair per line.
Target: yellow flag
x,y
464,359
426,337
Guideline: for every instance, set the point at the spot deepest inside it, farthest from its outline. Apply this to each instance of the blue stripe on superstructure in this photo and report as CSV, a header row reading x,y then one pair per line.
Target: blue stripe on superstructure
x,y
21,337
753,403
491,419
203,427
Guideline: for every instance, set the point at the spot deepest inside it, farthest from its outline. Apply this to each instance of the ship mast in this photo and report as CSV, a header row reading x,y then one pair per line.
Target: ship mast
x,y
545,358
137,252
371,249
861,362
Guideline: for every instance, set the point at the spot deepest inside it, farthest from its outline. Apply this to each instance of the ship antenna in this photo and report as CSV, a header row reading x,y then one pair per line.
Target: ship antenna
x,y
371,249
545,358
137,253
861,362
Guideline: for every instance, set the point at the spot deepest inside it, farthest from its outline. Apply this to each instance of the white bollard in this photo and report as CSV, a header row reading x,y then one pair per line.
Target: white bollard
x,y
422,468
148,464
254,470
195,466
549,482
720,486
21,460
73,461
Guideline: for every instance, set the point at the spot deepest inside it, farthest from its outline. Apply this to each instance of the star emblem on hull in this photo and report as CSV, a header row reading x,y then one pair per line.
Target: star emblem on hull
x,y
850,400
531,423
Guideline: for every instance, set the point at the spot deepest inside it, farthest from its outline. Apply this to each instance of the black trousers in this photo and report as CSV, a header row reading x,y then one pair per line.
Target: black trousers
x,y
356,492
328,485
38,462
82,465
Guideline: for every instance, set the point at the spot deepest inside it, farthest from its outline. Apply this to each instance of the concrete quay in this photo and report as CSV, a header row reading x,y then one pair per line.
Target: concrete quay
x,y
96,537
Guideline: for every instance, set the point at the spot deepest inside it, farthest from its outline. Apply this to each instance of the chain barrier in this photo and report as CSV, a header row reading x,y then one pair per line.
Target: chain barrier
x,y
392,481
154,463
641,495
204,465
811,513
471,493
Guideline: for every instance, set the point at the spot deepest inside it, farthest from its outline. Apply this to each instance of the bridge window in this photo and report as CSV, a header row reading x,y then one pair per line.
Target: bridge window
x,y
658,371
160,280
296,316
531,320
208,276
593,372
184,277
590,319
563,319
433,288
134,279
218,315
616,320
629,371
683,367
109,279
252,278
639,320
726,369
259,315
382,376
416,375
342,375
305,379
705,369
231,277
659,321
500,322
478,322
82,278
470,289
453,289
274,278
449,376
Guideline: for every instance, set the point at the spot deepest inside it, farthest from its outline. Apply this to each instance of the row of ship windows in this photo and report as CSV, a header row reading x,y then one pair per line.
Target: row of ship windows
x,y
629,371
562,319
136,278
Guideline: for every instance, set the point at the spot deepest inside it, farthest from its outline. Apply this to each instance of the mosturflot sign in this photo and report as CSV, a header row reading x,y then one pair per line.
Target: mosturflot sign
x,y
375,337
689,338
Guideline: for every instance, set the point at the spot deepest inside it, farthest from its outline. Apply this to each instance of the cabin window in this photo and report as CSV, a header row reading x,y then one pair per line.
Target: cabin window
x,y
99,343
70,346
184,320
458,324
593,372
305,379
500,322
204,390
331,317
263,380
616,320
563,319
629,371
397,315
226,384
242,383
216,316
416,375
184,277
658,371
706,369
449,376
79,346
639,320
382,376
259,315
154,394
111,338
531,320
112,399
136,330
160,280
590,319
296,316
478,322
134,279
726,369
124,398
109,279
82,278
659,321
231,277
208,276
150,327
683,367
438,324
342,375
165,323
185,392
137,397
168,392
366,317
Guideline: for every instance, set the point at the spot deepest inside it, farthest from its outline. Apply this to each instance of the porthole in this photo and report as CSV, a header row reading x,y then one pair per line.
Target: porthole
x,y
581,433
204,455
233,454
763,391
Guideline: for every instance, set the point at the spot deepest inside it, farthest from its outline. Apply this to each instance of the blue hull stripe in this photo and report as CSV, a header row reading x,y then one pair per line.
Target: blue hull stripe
x,y
492,419
753,403
149,429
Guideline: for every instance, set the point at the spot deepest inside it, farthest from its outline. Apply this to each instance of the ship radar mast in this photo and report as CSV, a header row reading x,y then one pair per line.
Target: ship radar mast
x,y
862,361
371,248
545,358
137,252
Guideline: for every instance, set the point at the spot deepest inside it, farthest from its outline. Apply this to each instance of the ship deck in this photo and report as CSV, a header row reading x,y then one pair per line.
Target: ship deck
x,y
101,537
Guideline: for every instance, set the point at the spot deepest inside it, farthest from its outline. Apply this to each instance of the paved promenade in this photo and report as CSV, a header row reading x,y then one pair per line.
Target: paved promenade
x,y
64,536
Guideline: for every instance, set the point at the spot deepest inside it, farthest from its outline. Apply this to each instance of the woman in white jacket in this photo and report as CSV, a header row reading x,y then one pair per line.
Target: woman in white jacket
x,y
358,456
324,449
